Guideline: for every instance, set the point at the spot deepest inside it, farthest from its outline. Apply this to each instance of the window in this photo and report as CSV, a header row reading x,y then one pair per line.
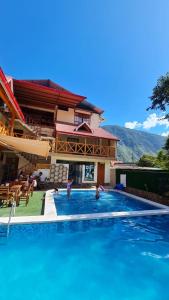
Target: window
x,y
81,118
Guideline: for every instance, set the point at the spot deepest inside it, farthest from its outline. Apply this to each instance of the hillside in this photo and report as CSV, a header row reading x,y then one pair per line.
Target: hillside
x,y
134,143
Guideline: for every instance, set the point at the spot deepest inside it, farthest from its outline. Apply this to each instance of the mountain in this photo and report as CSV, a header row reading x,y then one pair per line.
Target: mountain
x,y
134,143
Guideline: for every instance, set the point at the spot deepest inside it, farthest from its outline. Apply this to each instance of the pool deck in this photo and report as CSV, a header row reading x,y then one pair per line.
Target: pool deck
x,y
50,212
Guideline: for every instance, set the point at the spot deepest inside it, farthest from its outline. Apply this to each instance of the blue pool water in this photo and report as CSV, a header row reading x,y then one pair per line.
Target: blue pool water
x,y
124,259
83,202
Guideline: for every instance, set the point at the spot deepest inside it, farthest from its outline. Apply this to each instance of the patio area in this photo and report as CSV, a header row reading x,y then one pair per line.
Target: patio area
x,y
34,207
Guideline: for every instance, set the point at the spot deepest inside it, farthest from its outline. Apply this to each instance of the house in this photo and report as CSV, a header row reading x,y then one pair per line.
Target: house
x,y
15,135
80,148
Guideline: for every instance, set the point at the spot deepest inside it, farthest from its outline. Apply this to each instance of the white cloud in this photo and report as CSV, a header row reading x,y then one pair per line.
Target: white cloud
x,y
164,122
165,133
152,121
132,125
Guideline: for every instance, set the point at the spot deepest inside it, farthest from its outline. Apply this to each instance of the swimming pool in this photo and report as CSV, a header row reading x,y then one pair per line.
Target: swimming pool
x,y
84,202
98,259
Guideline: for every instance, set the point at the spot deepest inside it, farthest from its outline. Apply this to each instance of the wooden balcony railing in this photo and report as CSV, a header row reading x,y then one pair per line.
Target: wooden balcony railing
x,y
3,129
83,149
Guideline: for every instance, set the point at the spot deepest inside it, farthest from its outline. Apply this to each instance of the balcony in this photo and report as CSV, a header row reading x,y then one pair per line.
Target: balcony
x,y
3,129
86,149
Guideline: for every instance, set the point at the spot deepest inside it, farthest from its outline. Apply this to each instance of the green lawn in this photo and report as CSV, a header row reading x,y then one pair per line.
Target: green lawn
x,y
34,207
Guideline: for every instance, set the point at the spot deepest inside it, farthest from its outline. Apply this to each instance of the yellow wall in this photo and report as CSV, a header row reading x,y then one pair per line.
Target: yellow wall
x,y
65,116
68,117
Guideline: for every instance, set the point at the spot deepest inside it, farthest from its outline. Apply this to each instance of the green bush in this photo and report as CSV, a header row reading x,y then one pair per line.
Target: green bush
x,y
146,180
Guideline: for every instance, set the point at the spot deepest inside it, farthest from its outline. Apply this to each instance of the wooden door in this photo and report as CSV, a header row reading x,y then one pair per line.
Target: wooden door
x,y
100,173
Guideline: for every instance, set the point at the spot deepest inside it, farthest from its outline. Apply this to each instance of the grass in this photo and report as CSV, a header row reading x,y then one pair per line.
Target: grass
x,y
34,207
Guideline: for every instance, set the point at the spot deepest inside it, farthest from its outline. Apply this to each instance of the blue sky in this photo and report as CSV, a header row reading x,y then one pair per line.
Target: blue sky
x,y
111,51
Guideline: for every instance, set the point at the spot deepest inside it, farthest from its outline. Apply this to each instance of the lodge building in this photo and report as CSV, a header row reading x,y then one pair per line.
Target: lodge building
x,y
78,147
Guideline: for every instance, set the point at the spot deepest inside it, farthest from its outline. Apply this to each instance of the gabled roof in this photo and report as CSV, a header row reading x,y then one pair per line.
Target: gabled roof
x,y
85,127
96,132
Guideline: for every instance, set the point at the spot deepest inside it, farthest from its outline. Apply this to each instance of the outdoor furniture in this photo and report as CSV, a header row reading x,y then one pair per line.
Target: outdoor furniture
x,y
6,196
26,192
16,189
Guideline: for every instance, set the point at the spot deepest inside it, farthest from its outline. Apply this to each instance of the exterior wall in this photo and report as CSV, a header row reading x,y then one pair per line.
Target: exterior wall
x,y
22,162
107,172
95,120
68,117
112,177
74,157
65,116
82,159
45,172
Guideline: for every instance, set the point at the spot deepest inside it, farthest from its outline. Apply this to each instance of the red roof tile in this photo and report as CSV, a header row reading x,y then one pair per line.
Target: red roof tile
x,y
96,132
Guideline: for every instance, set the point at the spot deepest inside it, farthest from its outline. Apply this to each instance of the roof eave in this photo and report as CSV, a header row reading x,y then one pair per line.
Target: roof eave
x,y
48,89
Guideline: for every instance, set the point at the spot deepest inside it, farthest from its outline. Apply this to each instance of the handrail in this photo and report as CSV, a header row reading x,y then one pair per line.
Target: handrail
x,y
11,214
83,148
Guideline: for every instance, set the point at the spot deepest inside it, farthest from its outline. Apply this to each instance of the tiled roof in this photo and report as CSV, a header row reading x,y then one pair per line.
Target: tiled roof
x,y
25,90
90,107
96,132
35,94
50,84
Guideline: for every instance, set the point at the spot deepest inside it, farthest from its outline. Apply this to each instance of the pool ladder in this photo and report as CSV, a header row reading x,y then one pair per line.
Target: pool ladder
x,y
5,228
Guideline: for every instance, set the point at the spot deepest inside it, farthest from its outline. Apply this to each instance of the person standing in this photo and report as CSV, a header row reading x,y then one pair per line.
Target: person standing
x,y
69,187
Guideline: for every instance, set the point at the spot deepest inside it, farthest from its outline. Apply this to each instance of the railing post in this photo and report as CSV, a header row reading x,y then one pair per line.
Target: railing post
x,y
76,147
85,147
56,144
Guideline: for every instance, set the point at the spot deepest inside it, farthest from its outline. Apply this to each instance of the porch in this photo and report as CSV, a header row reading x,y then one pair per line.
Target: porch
x,y
84,146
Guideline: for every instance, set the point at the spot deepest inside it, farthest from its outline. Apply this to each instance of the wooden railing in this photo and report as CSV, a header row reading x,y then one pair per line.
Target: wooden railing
x,y
3,129
24,136
83,149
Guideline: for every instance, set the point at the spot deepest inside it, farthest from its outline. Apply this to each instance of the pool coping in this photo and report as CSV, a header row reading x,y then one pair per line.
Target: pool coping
x,y
50,211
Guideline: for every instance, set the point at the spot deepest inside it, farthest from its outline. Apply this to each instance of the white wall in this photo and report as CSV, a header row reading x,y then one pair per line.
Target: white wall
x,y
95,120
46,172
107,172
73,157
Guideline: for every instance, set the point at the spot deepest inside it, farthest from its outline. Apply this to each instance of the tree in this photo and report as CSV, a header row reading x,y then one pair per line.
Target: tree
x,y
147,161
166,146
160,96
160,100
160,161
